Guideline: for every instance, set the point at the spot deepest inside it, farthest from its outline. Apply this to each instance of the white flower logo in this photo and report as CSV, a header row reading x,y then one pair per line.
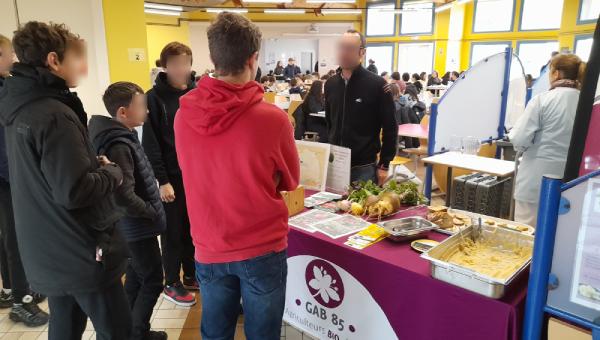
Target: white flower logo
x,y
324,284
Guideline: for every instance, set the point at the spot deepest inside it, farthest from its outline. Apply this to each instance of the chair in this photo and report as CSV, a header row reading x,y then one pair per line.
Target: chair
x,y
269,97
294,104
416,153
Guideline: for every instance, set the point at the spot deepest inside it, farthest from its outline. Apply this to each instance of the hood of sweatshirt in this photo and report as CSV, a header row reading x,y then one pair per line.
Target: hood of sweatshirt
x,y
104,129
213,107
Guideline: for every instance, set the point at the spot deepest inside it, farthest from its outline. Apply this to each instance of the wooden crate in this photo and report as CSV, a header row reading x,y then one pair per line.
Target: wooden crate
x,y
294,200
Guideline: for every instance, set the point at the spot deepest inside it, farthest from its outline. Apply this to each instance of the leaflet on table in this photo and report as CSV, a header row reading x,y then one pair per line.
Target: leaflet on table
x,y
332,225
338,172
341,226
585,289
320,198
366,237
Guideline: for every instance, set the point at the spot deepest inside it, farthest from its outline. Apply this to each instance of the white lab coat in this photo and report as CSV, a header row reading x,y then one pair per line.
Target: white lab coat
x,y
543,133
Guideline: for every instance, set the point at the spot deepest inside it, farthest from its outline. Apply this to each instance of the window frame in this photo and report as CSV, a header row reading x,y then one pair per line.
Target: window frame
x,y
583,22
512,20
581,37
392,45
536,29
372,3
432,42
402,2
525,42
508,43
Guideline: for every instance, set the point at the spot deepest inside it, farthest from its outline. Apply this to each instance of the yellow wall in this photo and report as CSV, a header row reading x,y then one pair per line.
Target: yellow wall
x,y
125,29
162,30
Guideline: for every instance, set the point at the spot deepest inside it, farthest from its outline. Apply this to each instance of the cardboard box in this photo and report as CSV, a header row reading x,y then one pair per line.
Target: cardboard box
x,y
294,200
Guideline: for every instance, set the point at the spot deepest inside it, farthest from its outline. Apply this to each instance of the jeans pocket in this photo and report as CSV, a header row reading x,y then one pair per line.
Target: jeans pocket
x,y
204,272
266,273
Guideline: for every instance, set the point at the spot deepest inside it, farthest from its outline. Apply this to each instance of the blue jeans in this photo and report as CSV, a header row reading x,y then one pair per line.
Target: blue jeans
x,y
260,283
364,173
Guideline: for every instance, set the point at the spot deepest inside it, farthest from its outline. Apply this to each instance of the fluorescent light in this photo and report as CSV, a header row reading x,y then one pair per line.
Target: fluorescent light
x,y
284,11
163,7
230,10
330,1
161,12
395,10
443,7
268,1
341,11
463,1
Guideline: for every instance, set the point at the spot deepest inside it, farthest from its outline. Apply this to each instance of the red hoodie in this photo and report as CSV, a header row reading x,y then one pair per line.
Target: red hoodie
x,y
230,145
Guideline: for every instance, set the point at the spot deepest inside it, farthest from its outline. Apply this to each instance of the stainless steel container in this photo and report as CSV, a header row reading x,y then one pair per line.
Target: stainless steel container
x,y
467,278
409,228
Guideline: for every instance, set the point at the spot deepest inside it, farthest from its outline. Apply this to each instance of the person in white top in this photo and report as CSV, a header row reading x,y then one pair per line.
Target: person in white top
x,y
543,134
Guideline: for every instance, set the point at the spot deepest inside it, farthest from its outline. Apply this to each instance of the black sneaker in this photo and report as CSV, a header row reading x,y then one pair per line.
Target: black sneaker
x,y
157,335
38,298
6,300
190,283
29,313
178,295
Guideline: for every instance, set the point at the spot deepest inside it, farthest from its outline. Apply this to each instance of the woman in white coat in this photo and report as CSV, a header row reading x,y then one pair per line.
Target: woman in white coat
x,y
543,134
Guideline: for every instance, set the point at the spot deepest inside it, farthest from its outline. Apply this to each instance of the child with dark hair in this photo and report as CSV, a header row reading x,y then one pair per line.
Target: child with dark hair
x,y
313,103
406,77
64,209
138,196
158,140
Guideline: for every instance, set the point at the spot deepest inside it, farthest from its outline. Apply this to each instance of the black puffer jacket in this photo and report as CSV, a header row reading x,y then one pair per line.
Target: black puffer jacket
x,y
158,138
63,199
138,195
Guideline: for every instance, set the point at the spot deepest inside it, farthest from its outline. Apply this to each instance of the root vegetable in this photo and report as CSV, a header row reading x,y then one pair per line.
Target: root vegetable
x,y
344,205
356,209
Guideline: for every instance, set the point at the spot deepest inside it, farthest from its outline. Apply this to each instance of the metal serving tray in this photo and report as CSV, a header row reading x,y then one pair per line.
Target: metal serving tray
x,y
409,228
467,278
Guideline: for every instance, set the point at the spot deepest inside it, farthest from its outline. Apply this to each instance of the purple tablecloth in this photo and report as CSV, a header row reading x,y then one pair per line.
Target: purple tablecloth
x,y
417,306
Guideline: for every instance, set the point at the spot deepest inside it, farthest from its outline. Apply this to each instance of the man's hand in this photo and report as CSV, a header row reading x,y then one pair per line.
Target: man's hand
x,y
103,160
167,193
382,175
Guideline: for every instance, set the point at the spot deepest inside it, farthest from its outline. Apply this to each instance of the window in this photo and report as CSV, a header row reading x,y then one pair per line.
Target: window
x,y
417,18
583,47
381,20
493,16
589,10
383,56
415,58
482,51
535,55
541,14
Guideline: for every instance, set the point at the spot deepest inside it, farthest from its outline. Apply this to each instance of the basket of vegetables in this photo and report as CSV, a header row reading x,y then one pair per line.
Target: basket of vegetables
x,y
367,198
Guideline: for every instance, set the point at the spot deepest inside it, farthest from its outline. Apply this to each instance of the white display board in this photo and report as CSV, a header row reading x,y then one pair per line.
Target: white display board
x,y
517,93
472,106
542,83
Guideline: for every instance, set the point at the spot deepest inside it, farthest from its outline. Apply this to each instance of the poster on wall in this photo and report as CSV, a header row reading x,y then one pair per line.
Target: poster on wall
x,y
585,289
322,299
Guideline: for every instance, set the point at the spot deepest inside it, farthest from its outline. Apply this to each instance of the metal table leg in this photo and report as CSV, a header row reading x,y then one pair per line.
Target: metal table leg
x,y
448,186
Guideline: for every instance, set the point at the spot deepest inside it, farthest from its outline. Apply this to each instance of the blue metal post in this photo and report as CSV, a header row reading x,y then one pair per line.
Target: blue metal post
x,y
504,102
528,95
545,232
430,149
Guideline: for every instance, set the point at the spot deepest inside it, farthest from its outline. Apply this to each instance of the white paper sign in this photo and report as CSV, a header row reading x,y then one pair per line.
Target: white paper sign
x,y
314,161
338,172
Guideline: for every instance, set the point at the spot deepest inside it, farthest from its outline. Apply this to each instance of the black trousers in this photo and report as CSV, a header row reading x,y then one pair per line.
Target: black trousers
x,y
143,283
10,259
107,309
176,241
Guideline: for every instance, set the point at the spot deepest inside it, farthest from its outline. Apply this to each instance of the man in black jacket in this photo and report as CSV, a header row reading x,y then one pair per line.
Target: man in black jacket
x,y
20,298
138,195
158,140
64,209
358,109
291,70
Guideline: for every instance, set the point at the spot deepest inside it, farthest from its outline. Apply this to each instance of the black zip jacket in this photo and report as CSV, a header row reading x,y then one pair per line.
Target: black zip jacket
x,y
158,137
357,113
63,202
138,196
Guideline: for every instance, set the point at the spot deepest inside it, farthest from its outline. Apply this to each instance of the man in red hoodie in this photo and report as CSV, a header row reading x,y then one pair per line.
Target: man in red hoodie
x,y
236,154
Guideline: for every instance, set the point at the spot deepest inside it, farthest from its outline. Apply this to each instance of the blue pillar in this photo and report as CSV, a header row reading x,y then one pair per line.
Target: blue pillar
x,y
545,232
504,103
430,149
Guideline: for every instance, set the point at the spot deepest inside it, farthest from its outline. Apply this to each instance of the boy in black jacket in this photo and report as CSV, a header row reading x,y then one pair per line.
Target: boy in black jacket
x,y
158,140
138,195
64,208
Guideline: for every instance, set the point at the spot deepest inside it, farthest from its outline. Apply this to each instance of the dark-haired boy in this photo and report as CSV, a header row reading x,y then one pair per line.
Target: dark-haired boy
x,y
64,209
240,247
158,140
138,195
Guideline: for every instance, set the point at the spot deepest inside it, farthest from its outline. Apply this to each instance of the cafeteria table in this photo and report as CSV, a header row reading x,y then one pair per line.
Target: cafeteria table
x,y
453,159
413,130
386,292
